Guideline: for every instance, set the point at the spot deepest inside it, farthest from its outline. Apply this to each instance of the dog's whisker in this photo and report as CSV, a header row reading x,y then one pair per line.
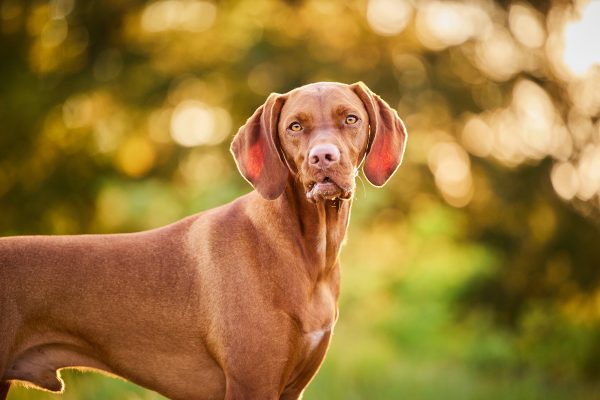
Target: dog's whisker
x,y
364,188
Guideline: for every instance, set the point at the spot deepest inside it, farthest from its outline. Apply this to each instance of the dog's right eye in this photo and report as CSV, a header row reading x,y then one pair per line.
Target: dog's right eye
x,y
351,119
295,127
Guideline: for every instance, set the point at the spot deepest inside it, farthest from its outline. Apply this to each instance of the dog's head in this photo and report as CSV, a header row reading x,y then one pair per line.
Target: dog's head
x,y
320,133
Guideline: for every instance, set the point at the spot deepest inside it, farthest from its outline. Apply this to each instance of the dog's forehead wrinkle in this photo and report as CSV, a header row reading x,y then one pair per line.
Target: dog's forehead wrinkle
x,y
320,86
323,89
302,116
319,104
322,109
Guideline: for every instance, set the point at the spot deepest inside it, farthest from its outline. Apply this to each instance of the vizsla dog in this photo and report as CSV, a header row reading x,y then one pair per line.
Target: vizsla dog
x,y
237,302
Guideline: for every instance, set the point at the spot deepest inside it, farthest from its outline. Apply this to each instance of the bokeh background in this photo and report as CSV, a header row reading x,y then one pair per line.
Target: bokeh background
x,y
474,274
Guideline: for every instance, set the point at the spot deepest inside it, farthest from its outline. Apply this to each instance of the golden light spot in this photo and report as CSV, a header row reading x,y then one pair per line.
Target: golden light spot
x,y
530,128
441,24
496,54
388,17
562,143
582,47
526,25
78,111
189,15
61,8
136,156
411,69
585,93
581,127
187,87
37,18
588,170
536,116
76,43
451,168
477,137
507,143
158,125
565,180
201,168
11,13
109,132
193,123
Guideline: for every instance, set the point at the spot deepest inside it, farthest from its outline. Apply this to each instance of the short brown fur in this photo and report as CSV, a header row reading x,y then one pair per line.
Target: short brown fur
x,y
238,302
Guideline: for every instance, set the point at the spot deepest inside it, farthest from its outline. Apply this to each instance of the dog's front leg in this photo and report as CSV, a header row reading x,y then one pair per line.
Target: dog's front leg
x,y
244,391
293,395
4,387
256,367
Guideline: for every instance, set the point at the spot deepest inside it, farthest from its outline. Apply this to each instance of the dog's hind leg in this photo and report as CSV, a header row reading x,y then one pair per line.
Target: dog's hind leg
x,y
4,387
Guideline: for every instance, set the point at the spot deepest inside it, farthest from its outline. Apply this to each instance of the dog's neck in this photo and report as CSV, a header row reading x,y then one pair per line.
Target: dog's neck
x,y
322,227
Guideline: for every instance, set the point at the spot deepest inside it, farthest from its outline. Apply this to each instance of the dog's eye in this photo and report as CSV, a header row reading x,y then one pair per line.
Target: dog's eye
x,y
351,119
295,126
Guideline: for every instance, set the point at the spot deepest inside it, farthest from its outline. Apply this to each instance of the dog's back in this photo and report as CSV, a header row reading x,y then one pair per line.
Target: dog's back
x,y
62,298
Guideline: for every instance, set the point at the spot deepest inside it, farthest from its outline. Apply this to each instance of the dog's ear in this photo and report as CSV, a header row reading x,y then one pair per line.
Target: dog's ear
x,y
256,152
387,137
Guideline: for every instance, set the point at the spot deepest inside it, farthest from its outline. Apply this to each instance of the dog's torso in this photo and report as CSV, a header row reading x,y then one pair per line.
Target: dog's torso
x,y
157,307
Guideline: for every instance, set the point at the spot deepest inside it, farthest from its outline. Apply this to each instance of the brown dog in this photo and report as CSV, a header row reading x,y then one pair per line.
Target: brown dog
x,y
238,302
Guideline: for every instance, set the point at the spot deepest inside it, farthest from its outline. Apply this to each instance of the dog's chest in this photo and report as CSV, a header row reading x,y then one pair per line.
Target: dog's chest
x,y
315,338
317,319
319,312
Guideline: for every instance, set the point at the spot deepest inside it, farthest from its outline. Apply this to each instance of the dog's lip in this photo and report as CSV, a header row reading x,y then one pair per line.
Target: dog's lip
x,y
326,188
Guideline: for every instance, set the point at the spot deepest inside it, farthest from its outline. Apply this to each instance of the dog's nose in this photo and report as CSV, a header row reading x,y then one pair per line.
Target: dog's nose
x,y
323,154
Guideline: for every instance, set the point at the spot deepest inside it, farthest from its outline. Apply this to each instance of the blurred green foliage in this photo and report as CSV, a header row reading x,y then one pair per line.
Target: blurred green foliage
x,y
472,274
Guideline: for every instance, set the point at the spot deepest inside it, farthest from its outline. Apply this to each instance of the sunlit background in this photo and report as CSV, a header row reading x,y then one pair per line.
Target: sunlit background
x,y
474,274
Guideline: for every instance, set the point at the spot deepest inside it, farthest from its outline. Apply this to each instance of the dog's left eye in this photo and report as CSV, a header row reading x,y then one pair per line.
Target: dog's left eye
x,y
295,126
351,119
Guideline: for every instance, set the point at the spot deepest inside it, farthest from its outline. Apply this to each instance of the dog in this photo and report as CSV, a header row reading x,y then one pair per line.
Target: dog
x,y
237,302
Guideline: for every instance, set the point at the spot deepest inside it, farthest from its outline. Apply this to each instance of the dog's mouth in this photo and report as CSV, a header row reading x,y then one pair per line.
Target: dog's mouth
x,y
327,189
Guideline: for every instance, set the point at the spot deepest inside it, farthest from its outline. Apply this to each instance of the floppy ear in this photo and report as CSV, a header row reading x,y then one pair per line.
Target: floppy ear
x,y
387,137
255,150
